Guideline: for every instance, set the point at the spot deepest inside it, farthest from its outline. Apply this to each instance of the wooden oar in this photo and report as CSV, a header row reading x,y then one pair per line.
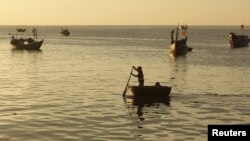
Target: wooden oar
x,y
124,93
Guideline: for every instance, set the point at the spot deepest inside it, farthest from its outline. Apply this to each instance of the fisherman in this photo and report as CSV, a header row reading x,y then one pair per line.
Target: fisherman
x,y
172,37
157,84
139,75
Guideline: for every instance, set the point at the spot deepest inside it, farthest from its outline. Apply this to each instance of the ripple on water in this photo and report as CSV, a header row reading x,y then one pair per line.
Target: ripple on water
x,y
5,138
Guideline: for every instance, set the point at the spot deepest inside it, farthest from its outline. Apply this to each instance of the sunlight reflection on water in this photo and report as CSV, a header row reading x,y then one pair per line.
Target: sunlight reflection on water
x,y
71,89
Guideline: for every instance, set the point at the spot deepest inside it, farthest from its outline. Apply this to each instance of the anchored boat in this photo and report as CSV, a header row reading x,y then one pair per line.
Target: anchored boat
x,y
179,47
21,29
26,43
237,41
65,32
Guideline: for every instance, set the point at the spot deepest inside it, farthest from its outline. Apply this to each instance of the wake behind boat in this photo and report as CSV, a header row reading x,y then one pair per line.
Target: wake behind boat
x,y
29,43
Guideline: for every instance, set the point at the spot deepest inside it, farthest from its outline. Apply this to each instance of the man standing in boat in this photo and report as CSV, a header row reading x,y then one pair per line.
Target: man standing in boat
x,y
139,75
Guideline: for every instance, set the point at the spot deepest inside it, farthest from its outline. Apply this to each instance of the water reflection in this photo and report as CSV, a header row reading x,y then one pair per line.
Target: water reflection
x,y
150,101
25,62
151,105
14,50
178,70
26,55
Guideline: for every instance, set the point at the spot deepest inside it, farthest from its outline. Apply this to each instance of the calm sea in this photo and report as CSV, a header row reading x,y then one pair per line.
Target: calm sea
x,y
71,90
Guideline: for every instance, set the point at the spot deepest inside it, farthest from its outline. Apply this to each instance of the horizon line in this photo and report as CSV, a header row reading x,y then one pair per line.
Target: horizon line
x,y
109,25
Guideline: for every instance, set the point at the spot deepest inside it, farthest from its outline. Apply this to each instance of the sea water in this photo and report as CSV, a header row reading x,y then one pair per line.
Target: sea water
x,y
71,89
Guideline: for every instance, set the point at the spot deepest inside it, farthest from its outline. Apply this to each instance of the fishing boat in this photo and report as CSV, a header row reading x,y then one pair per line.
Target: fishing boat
x,y
21,29
237,41
150,91
65,32
179,47
26,43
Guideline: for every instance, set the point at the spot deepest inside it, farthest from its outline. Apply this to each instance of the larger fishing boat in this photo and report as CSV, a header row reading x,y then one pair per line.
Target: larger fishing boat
x,y
19,42
179,47
237,41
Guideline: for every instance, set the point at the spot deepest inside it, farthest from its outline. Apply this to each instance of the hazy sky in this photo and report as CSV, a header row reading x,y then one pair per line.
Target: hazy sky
x,y
124,12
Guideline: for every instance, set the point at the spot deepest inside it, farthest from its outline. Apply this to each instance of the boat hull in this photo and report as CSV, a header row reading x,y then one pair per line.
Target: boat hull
x,y
36,45
189,49
65,34
150,91
138,101
20,29
178,49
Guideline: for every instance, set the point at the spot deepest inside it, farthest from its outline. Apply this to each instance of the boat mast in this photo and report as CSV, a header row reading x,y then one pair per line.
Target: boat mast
x,y
34,31
176,38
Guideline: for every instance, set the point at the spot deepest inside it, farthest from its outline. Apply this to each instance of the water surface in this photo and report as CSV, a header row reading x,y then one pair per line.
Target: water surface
x,y
71,89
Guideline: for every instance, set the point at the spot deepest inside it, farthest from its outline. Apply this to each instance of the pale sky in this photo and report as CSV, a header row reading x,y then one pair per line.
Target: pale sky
x,y
124,12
